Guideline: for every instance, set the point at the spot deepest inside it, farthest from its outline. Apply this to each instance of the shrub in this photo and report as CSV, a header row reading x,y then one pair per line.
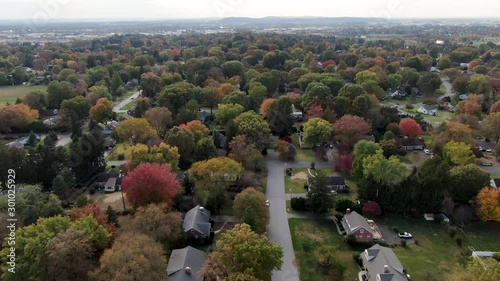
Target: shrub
x,y
458,240
496,256
350,239
371,208
299,204
452,231
381,242
417,242
409,106
307,244
395,229
404,243
325,255
357,258
343,204
120,157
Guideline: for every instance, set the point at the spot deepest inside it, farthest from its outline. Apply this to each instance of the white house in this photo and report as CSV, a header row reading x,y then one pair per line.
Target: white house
x,y
428,110
495,183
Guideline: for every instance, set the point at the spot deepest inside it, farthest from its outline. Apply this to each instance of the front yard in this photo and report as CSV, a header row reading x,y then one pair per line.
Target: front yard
x,y
299,178
307,237
305,155
120,152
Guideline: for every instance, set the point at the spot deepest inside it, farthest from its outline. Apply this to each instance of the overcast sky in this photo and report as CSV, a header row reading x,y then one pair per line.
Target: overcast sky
x,y
168,9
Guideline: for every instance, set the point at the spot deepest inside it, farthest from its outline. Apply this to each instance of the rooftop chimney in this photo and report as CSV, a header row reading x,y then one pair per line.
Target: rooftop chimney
x,y
187,269
386,269
348,211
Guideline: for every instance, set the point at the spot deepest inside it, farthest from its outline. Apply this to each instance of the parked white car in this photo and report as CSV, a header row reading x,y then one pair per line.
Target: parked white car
x,y
267,203
405,235
426,151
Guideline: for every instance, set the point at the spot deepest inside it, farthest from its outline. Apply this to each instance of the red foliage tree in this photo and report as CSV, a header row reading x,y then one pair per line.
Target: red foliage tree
x,y
495,107
327,63
344,164
95,211
315,111
410,128
371,208
150,183
350,129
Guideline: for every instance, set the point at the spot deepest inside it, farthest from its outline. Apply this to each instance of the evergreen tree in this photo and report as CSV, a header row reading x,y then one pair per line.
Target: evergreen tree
x,y
319,197
59,187
112,216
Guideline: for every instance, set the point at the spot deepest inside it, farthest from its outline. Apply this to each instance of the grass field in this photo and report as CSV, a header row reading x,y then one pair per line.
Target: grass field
x,y
129,105
306,155
297,185
317,233
9,94
122,148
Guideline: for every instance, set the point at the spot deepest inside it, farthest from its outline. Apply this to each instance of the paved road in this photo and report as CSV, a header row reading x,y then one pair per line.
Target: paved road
x,y
117,107
449,91
278,230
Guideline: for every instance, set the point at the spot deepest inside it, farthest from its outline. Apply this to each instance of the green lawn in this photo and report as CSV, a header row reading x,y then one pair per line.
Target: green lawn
x,y
124,97
122,148
297,184
129,105
436,254
321,233
305,155
9,94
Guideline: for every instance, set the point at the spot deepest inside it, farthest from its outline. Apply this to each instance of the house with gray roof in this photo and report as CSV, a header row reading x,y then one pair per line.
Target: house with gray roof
x,y
428,110
364,230
381,264
185,264
197,225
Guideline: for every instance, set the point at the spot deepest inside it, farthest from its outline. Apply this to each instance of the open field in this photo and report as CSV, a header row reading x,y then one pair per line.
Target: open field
x,y
9,94
120,149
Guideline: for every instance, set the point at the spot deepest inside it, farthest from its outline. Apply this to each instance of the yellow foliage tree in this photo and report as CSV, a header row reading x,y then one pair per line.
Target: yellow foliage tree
x,y
137,130
197,128
160,154
458,153
216,172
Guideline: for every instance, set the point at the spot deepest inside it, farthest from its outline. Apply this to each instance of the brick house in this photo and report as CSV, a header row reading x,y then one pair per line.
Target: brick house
x,y
364,230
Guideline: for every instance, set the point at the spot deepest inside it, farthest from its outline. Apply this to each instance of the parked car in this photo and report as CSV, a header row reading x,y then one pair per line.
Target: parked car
x,y
405,235
426,151
481,148
489,150
487,164
267,203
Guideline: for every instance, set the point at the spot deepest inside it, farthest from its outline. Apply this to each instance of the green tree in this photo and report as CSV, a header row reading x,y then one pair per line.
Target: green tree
x,y
243,251
432,180
351,91
176,96
249,207
386,171
319,199
233,68
466,182
317,130
183,139
280,117
36,100
79,105
394,81
205,149
59,186
491,127
221,171
367,75
31,253
102,111
116,83
389,147
160,154
227,112
315,90
57,92
458,153
160,118
429,83
87,154
479,84
478,269
255,128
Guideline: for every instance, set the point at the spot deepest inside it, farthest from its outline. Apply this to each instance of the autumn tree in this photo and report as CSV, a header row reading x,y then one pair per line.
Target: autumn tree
x,y
160,118
221,171
97,234
102,110
371,208
70,256
225,90
317,130
350,129
471,106
493,109
36,100
479,84
491,127
245,252
246,154
488,201
132,257
137,130
255,128
249,207
410,128
452,131
458,153
197,128
363,149
95,211
158,222
159,154
17,116
150,183
265,107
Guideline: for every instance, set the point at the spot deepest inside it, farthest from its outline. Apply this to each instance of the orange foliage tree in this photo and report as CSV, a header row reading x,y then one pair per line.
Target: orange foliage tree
x,y
488,200
265,107
471,106
95,211
197,128
224,90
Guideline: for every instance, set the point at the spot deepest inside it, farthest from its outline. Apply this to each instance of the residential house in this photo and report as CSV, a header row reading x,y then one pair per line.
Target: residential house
x,y
410,144
197,225
112,125
400,93
364,230
428,110
334,182
109,142
448,106
381,264
185,264
110,182
495,183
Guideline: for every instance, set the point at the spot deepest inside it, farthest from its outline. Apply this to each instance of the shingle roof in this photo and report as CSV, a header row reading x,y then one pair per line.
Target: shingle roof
x,y
429,107
376,258
198,218
180,259
497,182
104,177
355,221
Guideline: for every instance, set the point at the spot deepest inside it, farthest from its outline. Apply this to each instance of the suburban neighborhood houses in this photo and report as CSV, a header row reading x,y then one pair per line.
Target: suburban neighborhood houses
x,y
239,148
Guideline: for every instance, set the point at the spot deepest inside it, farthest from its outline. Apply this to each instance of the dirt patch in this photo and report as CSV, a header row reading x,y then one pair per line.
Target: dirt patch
x,y
299,176
109,199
